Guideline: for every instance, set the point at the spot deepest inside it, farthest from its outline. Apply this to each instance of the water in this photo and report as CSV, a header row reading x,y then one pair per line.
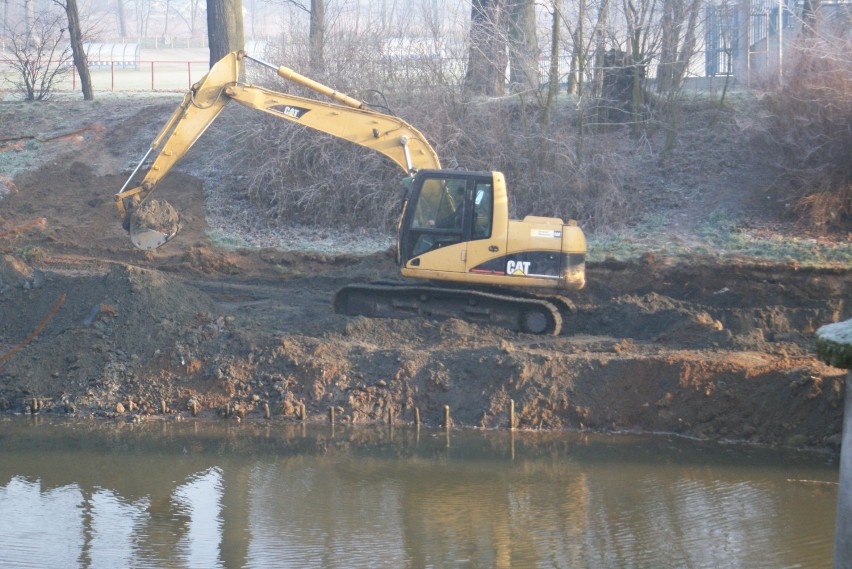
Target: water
x,y
273,495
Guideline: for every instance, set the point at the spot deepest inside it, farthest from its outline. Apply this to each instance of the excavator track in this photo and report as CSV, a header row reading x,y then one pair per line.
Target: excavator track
x,y
389,300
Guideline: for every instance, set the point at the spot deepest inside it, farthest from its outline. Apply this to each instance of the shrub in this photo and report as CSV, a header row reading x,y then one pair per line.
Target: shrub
x,y
810,130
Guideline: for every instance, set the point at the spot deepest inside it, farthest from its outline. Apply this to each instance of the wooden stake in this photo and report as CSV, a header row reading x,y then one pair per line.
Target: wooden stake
x,y
266,413
417,416
511,414
447,416
331,415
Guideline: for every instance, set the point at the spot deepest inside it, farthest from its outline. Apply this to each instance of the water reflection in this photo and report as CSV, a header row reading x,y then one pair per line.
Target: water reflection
x,y
176,495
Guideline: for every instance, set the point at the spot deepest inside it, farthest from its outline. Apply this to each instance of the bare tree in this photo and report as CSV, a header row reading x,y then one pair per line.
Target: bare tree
x,y
224,28
190,13
79,53
40,55
677,42
640,39
486,67
316,31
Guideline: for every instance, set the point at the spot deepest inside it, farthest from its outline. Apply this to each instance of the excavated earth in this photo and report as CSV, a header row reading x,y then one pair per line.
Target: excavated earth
x,y
92,327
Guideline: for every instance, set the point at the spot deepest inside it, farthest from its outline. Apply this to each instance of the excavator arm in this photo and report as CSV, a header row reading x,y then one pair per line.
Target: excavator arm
x,y
152,223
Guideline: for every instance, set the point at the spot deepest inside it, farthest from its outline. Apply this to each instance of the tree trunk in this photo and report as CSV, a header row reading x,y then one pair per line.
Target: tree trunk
x,y
224,28
637,96
79,54
317,36
122,25
486,67
166,23
600,48
670,37
553,72
524,73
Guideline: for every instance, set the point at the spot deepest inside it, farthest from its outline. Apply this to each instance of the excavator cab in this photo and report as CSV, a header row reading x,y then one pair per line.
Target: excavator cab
x,y
445,209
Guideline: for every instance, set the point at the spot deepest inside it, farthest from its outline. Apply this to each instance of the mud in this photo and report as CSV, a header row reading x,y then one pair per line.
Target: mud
x,y
92,327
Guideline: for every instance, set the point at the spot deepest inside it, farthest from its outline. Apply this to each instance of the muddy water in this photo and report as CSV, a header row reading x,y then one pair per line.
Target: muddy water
x,y
275,495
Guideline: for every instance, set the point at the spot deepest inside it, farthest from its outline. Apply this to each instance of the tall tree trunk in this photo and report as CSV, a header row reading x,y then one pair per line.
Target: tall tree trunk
x,y
600,48
166,23
122,24
637,94
524,74
486,67
29,18
77,50
316,36
224,28
553,72
670,37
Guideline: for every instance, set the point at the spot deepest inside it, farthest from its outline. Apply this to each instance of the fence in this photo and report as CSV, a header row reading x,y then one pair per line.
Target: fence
x,y
118,76
178,75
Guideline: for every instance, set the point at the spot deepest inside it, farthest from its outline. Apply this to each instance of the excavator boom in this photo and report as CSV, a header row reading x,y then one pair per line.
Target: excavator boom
x,y
152,223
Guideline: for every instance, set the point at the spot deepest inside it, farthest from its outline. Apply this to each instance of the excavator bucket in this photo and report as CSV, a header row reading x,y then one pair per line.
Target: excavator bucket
x,y
153,224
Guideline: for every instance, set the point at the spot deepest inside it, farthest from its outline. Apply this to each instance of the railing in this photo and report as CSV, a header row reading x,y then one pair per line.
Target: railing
x,y
179,75
163,76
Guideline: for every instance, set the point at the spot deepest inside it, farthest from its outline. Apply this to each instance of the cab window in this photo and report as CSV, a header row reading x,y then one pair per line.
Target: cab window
x,y
439,216
483,209
440,205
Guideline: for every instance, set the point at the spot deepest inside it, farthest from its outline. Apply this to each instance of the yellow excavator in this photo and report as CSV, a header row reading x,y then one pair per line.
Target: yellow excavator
x,y
454,231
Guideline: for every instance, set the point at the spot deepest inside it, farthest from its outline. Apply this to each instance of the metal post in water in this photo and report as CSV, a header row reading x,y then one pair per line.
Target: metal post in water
x,y
266,413
417,417
834,347
447,417
331,415
511,414
843,524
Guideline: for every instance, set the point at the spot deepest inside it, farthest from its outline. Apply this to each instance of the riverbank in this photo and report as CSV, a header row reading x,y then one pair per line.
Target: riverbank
x,y
709,346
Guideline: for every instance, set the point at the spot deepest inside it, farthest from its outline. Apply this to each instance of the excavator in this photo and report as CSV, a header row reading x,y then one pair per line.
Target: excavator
x,y
459,252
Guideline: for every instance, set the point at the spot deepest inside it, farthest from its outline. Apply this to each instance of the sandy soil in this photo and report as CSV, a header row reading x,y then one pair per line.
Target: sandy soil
x,y
91,326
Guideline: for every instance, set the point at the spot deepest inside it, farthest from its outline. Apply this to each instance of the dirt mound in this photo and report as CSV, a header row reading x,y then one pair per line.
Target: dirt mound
x,y
90,334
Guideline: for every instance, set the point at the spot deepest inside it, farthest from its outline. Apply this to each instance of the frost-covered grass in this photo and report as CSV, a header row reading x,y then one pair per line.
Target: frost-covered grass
x,y
720,236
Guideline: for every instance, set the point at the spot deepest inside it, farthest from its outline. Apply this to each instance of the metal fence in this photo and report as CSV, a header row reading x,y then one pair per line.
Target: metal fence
x,y
178,75
109,75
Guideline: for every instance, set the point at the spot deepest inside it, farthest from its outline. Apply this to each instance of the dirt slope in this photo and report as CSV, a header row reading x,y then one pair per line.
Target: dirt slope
x,y
91,326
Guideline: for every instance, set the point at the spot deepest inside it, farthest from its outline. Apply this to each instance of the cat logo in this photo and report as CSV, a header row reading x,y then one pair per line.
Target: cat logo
x,y
517,268
293,112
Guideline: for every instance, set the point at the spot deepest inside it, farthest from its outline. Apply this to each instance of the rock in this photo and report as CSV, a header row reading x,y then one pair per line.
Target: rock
x,y
834,344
